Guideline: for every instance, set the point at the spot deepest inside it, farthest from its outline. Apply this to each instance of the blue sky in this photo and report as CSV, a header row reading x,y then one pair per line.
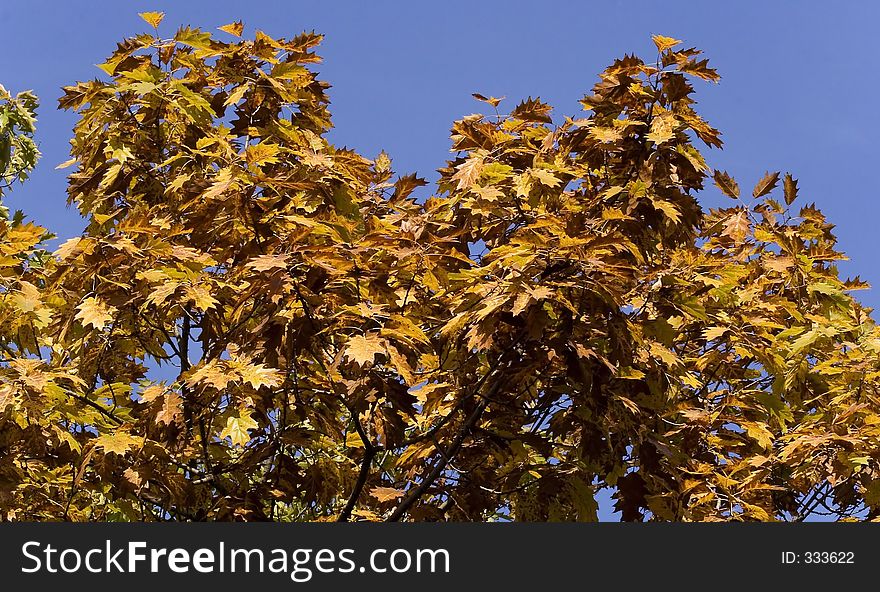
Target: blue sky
x,y
798,80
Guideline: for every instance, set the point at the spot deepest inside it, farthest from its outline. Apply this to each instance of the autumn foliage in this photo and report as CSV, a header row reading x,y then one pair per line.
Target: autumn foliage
x,y
257,325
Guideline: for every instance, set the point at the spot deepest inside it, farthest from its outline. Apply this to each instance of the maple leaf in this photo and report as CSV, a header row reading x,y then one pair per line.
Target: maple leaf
x,y
67,248
711,333
194,38
172,408
267,262
27,297
726,184
545,177
118,442
490,193
236,28
790,188
201,297
152,392
362,349
663,43
386,494
468,172
262,153
494,101
532,110
382,162
663,128
95,313
780,264
237,429
766,184
737,225
405,185
258,375
212,374
605,134
152,18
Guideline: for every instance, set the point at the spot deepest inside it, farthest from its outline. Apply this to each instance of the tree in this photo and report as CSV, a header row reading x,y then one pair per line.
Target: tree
x,y
257,325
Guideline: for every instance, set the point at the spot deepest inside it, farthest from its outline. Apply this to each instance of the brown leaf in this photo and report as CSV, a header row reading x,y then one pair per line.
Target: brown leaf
x,y
737,226
726,184
532,110
405,185
789,185
765,185
494,101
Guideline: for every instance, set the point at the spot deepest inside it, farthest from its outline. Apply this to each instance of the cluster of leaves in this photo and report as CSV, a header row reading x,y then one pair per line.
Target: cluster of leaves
x,y
257,325
18,151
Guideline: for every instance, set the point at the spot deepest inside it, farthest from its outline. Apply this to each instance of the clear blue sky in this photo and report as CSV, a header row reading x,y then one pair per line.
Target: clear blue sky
x,y
798,80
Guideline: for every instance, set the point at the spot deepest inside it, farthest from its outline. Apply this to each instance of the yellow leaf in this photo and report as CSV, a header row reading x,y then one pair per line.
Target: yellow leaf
x,y
222,182
117,443
489,193
262,153
212,375
201,298
628,403
663,127
780,264
401,364
386,494
101,218
494,101
544,176
468,172
66,164
737,226
172,408
520,303
353,440
668,357
259,375
714,332
27,298
630,373
267,262
605,134
152,392
765,185
363,348
152,18
235,28
236,95
522,184
237,429
95,313
663,43
759,432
